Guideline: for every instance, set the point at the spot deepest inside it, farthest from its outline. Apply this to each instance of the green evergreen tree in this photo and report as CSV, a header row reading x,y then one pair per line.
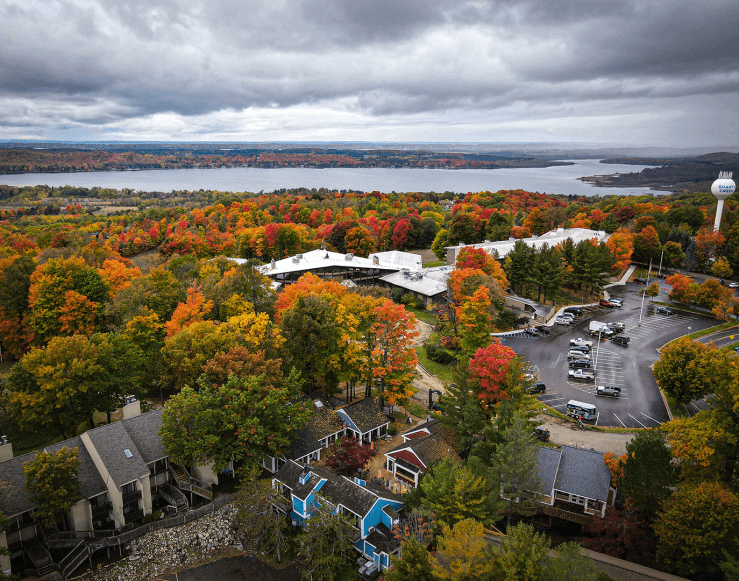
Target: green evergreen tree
x,y
462,409
412,564
516,461
455,492
647,472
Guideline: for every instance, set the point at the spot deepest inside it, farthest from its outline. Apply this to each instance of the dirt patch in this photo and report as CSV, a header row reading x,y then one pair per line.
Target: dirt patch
x,y
427,255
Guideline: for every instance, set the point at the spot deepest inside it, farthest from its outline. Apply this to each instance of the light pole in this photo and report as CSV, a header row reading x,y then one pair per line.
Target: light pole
x,y
597,351
641,310
660,262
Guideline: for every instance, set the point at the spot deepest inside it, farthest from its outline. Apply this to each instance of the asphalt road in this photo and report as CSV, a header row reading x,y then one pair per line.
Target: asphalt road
x,y
640,404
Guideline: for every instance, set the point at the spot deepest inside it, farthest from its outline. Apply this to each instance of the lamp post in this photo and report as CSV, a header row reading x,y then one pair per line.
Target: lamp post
x,y
597,351
660,262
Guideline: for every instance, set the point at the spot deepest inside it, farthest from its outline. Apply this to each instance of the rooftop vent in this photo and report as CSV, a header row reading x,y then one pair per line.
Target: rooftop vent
x,y
127,452
129,399
3,440
298,256
349,256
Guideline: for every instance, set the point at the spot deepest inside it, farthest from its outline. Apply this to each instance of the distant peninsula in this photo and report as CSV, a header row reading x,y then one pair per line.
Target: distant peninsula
x,y
693,174
56,159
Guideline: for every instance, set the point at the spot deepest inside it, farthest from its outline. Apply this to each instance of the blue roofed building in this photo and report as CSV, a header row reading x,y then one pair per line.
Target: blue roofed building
x,y
373,509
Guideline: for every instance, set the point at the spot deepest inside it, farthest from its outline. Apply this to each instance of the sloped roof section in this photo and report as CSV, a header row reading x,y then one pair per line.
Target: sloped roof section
x,y
303,443
583,472
144,431
548,465
111,441
14,499
365,414
91,483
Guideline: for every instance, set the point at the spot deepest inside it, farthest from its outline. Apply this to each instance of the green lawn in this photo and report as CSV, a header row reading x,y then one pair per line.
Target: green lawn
x,y
422,315
443,372
434,263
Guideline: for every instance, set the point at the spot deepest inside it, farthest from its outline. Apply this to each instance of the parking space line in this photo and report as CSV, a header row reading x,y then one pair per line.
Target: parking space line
x,y
637,421
619,419
646,416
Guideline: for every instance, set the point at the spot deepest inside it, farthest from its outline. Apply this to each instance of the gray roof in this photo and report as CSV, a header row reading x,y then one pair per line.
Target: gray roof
x,y
337,489
91,483
110,441
548,465
303,443
583,472
144,431
416,282
365,414
14,499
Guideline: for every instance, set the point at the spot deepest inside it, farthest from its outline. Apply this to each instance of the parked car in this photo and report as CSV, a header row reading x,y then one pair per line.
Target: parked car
x,y
544,330
538,387
664,311
542,434
734,285
577,311
531,331
610,390
605,303
572,354
580,363
580,342
617,302
621,340
581,374
563,321
640,281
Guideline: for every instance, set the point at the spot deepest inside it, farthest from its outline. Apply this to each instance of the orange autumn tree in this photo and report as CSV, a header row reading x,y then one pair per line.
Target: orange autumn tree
x,y
194,310
477,258
490,367
393,358
308,284
117,275
621,245
78,314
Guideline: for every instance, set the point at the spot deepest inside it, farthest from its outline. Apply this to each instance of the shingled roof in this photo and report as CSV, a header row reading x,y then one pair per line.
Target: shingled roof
x,y
144,431
14,499
365,414
91,483
428,448
584,473
325,422
548,466
338,489
110,441
303,443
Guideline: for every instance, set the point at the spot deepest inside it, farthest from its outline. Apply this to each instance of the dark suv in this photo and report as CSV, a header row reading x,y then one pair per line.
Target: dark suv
x,y
577,311
580,364
538,387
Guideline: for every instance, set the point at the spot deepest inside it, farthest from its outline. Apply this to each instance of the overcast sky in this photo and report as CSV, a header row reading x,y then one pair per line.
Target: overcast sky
x,y
643,72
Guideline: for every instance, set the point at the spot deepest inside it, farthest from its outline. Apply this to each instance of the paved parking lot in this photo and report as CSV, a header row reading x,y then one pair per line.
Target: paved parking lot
x,y
640,404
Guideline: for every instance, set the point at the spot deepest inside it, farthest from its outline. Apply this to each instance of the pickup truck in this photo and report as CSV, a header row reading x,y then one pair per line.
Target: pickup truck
x,y
580,342
582,374
608,390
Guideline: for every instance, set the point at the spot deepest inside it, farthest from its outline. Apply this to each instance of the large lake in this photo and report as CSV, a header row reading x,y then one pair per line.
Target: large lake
x,y
550,180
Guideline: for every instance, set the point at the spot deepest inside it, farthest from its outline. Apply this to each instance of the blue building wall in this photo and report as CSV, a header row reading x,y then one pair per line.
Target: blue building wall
x,y
375,514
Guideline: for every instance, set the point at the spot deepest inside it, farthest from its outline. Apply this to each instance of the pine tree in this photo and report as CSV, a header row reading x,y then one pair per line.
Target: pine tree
x,y
412,564
516,460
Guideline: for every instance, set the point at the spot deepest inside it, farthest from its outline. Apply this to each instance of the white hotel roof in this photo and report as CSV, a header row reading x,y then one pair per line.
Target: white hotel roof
x,y
551,238
316,259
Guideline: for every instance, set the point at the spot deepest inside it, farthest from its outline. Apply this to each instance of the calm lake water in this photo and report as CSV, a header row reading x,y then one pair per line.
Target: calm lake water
x,y
550,180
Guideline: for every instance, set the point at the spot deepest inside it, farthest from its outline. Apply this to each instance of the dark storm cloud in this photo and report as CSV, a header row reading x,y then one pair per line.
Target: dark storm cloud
x,y
97,61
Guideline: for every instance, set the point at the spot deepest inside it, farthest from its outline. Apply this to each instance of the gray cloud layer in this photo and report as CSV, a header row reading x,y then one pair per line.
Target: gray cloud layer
x,y
652,70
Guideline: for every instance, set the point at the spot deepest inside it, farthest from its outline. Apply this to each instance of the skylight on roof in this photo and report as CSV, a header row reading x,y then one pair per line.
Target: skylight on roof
x,y
318,403
127,452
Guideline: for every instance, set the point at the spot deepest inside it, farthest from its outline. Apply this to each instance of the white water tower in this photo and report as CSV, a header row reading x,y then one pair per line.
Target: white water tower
x,y
722,188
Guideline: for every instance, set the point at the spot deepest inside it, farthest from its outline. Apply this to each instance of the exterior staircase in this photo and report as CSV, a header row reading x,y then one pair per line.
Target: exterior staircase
x,y
174,497
39,556
187,483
